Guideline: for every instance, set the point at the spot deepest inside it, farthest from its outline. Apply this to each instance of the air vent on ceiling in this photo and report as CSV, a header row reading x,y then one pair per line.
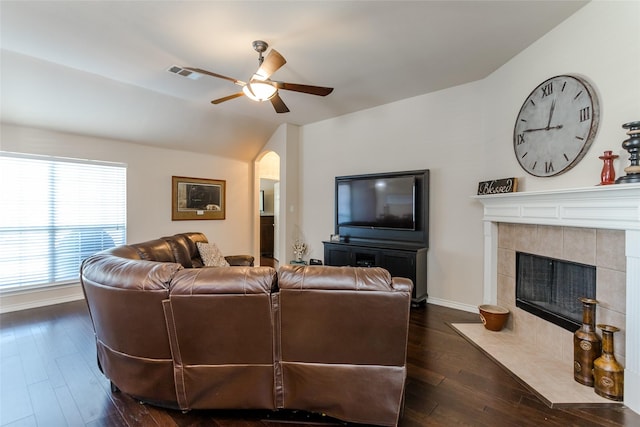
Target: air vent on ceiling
x,y
184,73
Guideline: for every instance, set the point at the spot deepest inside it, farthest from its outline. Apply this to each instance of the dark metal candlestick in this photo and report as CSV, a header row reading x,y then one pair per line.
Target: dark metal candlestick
x,y
632,145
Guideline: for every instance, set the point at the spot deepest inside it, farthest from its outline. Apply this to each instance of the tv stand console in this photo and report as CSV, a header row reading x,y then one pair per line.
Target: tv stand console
x,y
400,259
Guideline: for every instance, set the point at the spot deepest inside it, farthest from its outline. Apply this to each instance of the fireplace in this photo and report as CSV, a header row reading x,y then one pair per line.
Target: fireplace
x,y
550,288
569,218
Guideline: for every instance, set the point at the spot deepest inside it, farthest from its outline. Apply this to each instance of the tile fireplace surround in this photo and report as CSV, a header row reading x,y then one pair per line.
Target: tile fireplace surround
x,y
584,214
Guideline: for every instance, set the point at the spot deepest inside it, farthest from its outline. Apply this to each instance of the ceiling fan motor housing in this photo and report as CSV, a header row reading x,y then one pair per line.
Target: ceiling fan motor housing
x,y
260,46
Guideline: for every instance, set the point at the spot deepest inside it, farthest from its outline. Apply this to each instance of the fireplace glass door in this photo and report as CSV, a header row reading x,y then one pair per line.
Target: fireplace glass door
x,y
551,288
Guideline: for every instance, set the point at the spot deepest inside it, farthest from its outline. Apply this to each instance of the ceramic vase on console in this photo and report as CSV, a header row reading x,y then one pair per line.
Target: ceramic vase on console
x,y
586,344
608,374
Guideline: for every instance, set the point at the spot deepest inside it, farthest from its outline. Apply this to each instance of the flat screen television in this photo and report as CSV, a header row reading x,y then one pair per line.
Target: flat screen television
x,y
377,202
386,207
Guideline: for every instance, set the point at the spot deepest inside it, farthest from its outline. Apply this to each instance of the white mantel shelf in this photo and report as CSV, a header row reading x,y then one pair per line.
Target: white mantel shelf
x,y
615,206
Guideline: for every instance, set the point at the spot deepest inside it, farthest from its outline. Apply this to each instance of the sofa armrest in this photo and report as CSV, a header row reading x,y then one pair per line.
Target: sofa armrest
x,y
402,284
240,260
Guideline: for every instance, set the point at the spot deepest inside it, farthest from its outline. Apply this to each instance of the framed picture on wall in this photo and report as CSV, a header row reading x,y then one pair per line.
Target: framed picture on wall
x,y
197,198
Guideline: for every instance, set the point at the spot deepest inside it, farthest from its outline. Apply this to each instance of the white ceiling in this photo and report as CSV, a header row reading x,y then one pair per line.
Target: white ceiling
x,y
99,67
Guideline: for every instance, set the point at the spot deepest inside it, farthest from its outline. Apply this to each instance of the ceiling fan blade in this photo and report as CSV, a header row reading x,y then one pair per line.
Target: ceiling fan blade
x,y
270,65
278,104
312,90
220,76
227,98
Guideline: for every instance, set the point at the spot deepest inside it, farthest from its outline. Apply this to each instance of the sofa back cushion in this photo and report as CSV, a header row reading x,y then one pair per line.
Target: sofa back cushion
x,y
155,250
343,341
334,278
184,248
221,326
125,297
355,315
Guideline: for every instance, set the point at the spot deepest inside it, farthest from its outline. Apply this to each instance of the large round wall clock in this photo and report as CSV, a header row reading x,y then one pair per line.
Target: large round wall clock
x,y
556,125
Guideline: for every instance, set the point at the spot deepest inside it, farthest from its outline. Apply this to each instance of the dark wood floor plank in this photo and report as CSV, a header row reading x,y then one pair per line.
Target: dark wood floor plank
x,y
14,391
88,394
24,422
450,382
46,407
8,345
68,406
49,345
30,357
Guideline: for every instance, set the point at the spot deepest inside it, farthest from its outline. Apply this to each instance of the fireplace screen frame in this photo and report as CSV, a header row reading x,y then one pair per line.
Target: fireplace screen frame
x,y
568,312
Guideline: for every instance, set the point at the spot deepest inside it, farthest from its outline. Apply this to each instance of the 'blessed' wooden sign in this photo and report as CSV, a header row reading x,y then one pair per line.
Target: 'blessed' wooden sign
x,y
498,186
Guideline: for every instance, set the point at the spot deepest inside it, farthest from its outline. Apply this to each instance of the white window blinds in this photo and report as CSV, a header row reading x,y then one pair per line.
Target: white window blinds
x,y
54,213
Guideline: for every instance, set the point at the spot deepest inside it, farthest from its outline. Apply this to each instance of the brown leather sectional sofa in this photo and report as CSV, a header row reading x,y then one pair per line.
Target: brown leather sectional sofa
x,y
330,340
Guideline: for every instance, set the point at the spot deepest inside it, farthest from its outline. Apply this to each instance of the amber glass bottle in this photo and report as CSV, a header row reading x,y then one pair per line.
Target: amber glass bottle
x,y
586,344
608,374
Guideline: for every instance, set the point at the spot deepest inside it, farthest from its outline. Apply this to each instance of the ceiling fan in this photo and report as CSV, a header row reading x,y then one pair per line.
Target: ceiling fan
x,y
261,87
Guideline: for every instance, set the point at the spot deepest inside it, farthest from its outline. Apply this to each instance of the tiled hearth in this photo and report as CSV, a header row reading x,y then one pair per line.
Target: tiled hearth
x,y
596,225
599,247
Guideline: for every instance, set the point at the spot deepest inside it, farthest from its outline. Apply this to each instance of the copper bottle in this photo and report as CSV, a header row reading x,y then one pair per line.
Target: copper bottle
x,y
607,372
586,344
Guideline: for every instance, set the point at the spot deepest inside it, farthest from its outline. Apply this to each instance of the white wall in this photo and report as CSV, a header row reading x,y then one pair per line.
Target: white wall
x,y
149,172
441,132
285,142
464,135
601,42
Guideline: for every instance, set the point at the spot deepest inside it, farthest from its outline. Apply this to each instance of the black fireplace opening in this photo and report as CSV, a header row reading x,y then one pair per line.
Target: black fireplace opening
x,y
551,288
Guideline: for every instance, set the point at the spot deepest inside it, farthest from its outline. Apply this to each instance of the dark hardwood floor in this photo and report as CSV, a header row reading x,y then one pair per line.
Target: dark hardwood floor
x,y
49,377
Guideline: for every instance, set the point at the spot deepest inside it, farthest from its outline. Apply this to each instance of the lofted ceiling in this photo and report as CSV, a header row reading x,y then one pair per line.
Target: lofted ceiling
x,y
100,67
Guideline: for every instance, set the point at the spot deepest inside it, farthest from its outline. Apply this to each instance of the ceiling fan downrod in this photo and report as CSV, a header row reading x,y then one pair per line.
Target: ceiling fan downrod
x,y
260,46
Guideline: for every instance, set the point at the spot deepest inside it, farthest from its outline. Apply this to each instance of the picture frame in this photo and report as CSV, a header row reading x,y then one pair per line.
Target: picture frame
x,y
197,198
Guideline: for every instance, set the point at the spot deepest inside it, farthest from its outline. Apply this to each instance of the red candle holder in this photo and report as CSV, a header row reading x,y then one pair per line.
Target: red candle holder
x,y
608,174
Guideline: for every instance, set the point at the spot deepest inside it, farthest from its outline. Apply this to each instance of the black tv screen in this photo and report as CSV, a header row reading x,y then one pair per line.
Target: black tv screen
x,y
377,202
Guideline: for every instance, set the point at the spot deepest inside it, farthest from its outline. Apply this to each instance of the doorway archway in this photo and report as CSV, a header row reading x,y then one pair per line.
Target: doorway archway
x,y
268,168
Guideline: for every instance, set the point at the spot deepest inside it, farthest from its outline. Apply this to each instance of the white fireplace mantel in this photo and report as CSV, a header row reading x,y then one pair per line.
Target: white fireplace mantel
x,y
610,206
607,207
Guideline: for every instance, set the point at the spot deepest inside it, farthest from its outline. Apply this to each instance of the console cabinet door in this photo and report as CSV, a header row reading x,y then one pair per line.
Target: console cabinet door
x,y
337,255
411,264
400,264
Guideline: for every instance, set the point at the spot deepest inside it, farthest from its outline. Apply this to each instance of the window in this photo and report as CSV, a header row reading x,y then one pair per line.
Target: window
x,y
55,213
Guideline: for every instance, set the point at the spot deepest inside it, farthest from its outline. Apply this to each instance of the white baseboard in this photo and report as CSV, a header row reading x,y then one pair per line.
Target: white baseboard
x,y
24,300
453,304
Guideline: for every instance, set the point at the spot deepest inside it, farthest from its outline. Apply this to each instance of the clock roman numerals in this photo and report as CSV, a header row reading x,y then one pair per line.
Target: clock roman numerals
x,y
547,89
520,139
585,114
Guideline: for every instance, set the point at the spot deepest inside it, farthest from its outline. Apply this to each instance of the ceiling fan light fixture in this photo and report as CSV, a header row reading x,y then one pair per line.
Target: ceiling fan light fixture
x,y
257,90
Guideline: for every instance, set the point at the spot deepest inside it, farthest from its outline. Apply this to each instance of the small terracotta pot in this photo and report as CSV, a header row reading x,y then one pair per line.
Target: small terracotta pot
x,y
493,317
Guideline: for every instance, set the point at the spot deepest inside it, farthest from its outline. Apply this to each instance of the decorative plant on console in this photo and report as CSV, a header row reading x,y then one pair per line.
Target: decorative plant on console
x,y
299,249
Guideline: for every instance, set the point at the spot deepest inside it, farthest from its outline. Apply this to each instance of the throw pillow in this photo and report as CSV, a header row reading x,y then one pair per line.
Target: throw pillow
x,y
211,255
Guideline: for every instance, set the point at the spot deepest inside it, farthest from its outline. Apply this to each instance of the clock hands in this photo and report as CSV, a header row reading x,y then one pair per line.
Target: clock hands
x,y
553,107
545,128
548,127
